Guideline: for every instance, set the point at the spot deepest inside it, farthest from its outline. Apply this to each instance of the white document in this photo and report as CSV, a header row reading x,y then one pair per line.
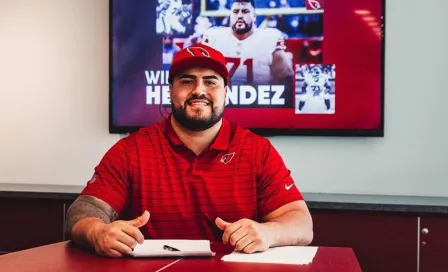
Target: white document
x,y
278,255
172,248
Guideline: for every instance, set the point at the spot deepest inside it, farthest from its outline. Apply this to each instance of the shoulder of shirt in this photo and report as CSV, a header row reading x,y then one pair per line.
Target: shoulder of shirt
x,y
155,128
247,136
152,130
308,77
216,30
269,32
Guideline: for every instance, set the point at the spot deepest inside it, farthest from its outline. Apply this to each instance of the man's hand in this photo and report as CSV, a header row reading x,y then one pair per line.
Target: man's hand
x,y
245,235
118,238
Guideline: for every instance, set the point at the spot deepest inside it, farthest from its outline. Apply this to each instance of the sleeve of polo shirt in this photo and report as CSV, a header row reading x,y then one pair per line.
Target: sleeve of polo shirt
x,y
110,180
275,185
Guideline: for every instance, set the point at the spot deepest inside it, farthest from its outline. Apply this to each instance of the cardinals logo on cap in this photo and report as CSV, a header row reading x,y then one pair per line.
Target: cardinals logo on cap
x,y
227,158
197,51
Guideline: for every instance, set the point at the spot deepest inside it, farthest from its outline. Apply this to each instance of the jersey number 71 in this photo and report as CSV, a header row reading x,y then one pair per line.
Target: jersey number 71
x,y
249,63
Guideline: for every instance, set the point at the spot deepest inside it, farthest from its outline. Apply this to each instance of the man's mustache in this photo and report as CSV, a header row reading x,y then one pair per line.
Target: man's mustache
x,y
195,97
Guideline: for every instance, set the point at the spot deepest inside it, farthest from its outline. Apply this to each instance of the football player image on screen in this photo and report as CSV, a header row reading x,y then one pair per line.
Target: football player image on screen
x,y
173,17
254,55
315,89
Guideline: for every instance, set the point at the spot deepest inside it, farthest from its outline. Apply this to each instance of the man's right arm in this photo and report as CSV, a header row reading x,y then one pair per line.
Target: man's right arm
x,y
92,223
84,214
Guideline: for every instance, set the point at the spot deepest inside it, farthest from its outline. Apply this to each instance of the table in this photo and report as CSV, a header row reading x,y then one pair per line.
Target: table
x,y
65,256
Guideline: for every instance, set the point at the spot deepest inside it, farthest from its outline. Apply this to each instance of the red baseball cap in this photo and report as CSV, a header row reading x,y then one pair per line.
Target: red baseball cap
x,y
199,55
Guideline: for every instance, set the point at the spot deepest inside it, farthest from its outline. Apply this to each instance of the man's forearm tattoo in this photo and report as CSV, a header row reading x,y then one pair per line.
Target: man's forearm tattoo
x,y
89,206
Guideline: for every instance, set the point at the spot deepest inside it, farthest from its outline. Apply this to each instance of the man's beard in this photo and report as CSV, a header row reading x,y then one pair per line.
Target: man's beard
x,y
241,31
197,123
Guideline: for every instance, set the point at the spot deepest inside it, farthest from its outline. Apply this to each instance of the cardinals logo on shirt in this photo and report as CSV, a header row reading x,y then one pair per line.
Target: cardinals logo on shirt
x,y
314,4
227,158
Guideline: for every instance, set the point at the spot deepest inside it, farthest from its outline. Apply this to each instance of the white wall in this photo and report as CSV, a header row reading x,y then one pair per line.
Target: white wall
x,y
54,103
53,90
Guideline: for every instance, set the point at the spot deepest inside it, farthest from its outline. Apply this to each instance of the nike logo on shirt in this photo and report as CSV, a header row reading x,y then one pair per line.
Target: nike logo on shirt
x,y
287,187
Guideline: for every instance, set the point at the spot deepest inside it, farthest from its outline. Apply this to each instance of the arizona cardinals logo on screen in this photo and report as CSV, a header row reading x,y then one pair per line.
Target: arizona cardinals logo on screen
x,y
227,158
314,4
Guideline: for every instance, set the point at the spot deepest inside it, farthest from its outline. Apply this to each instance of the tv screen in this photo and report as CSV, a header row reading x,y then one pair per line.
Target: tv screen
x,y
298,67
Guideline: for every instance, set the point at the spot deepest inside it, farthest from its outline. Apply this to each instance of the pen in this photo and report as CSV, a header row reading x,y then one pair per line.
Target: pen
x,y
170,248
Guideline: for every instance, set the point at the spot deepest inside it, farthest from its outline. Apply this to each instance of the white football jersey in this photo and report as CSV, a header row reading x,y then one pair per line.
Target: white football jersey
x,y
249,60
315,86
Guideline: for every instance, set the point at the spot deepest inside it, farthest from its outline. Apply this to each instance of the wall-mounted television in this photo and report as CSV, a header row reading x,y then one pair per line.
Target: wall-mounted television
x,y
298,67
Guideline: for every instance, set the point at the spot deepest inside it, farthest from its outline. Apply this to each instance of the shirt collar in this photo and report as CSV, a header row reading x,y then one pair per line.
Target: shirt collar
x,y
221,141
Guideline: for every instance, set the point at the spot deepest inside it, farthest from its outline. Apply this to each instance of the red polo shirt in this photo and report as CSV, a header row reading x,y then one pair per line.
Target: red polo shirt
x,y
240,175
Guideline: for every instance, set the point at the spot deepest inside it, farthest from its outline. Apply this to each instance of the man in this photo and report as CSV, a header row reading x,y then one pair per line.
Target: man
x,y
169,49
192,176
254,55
315,83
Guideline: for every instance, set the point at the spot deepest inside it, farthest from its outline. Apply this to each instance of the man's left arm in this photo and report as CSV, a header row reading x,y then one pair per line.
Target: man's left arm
x,y
281,67
290,224
286,220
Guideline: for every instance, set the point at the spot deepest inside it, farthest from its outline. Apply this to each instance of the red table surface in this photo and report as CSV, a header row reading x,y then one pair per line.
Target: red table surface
x,y
66,257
